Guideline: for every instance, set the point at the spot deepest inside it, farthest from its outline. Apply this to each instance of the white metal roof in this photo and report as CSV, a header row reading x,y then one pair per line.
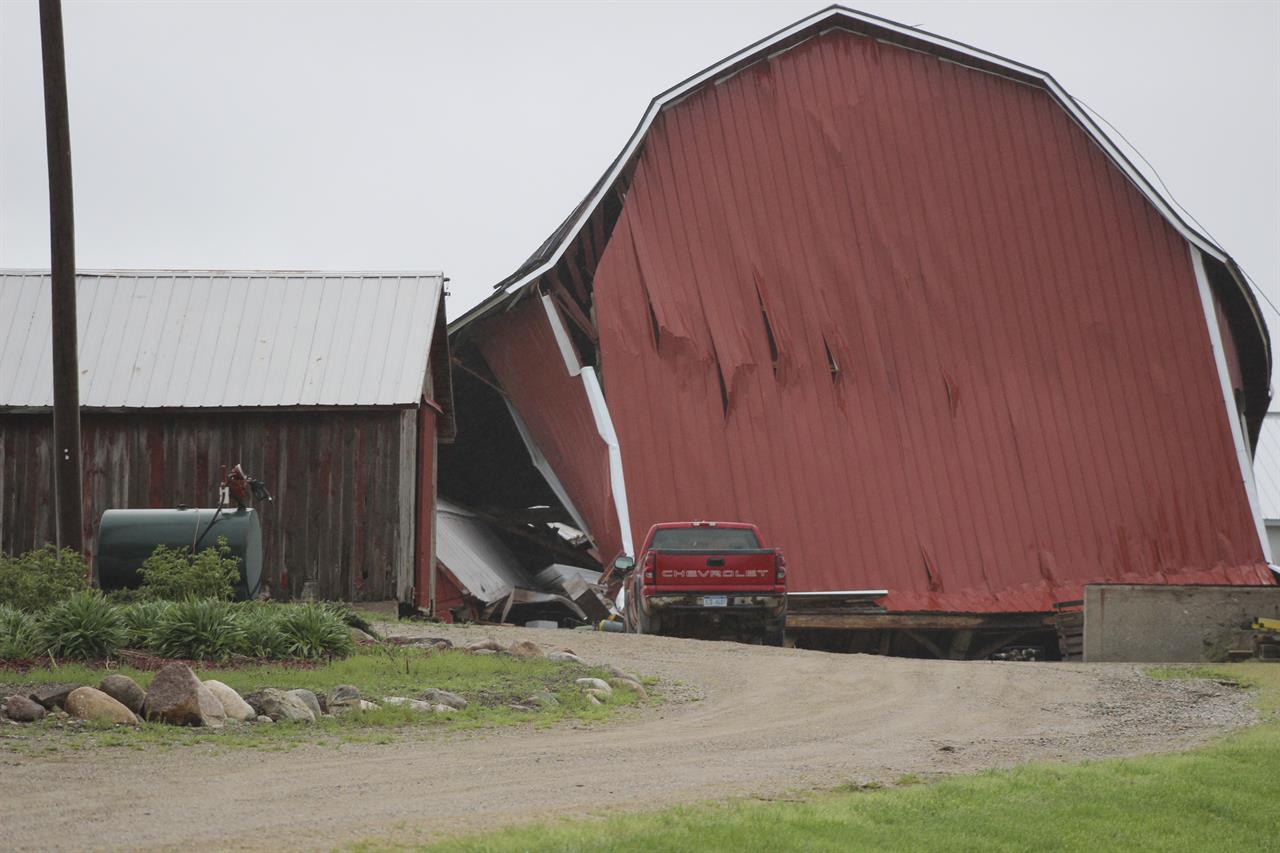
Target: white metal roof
x,y
1266,467
154,339
475,555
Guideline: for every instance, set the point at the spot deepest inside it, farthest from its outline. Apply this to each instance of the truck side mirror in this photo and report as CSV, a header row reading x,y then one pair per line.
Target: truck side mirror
x,y
624,563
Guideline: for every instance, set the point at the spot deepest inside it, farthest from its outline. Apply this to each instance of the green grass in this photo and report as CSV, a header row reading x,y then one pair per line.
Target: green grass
x,y
489,682
1219,797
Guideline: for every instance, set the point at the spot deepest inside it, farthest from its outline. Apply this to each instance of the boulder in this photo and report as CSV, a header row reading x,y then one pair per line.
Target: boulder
x,y
487,644
594,684
418,705
89,703
591,697
20,709
263,718
444,697
178,698
233,705
599,696
525,649
280,705
484,652
309,699
342,698
124,690
630,684
563,657
52,695
366,705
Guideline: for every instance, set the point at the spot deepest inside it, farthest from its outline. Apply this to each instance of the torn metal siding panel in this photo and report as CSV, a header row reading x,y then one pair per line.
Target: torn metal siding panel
x,y
475,556
1266,467
1026,397
521,351
188,339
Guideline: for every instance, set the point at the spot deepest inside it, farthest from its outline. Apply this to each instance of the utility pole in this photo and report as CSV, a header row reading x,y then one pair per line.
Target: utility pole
x,y
68,490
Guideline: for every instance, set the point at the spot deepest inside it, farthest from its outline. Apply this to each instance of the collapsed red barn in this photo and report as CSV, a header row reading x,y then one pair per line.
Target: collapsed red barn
x,y
900,302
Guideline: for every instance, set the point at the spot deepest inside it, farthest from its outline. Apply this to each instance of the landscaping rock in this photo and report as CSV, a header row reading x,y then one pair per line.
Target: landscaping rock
x,y
89,703
413,704
342,698
563,657
630,684
598,695
263,718
565,649
487,644
280,705
589,684
484,652
20,709
52,695
366,705
525,649
362,638
444,697
124,690
620,673
233,705
178,698
310,700
543,699
591,697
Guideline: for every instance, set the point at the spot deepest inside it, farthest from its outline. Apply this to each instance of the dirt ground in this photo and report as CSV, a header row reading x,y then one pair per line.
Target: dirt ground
x,y
739,720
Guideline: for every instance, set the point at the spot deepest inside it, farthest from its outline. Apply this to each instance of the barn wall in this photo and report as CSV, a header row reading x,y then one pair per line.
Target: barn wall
x,y
336,477
911,320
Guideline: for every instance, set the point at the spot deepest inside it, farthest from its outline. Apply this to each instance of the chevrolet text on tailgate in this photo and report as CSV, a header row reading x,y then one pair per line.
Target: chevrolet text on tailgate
x,y
706,579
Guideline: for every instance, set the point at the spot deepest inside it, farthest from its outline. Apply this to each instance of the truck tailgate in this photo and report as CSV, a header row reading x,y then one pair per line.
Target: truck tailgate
x,y
714,571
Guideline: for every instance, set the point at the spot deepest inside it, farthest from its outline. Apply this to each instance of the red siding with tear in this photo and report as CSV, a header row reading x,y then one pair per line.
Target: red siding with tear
x,y
993,379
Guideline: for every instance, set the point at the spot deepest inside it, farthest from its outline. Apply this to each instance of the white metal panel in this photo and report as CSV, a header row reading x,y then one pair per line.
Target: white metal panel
x,y
475,555
225,339
1266,467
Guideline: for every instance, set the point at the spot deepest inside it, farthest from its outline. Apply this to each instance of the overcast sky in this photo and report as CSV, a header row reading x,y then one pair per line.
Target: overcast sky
x,y
423,136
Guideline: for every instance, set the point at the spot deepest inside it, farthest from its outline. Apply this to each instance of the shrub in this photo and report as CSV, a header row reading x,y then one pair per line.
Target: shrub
x,y
175,574
142,619
19,635
262,637
84,626
313,630
40,578
198,629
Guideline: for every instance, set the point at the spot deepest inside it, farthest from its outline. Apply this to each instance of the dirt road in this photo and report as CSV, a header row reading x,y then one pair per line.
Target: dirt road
x,y
746,720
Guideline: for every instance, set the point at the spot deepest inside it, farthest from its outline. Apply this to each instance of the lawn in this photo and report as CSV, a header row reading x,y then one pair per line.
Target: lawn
x,y
1219,797
489,682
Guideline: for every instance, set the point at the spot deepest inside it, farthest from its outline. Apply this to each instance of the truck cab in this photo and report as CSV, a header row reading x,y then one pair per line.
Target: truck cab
x,y
709,579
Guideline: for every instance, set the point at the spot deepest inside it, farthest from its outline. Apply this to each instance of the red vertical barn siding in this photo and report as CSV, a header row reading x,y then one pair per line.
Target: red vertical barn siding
x,y
521,350
993,377
336,478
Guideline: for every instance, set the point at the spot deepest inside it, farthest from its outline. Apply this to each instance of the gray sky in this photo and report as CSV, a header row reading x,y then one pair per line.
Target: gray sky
x,y
413,135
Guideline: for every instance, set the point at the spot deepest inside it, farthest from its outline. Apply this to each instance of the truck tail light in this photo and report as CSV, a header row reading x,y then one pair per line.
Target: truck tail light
x,y
650,574
781,567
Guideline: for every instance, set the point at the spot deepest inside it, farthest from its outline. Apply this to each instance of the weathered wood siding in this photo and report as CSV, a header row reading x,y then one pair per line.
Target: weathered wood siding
x,y
339,480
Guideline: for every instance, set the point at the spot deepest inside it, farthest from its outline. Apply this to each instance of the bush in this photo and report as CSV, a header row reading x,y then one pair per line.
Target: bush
x,y
175,574
84,626
19,635
142,619
198,629
40,578
262,637
313,630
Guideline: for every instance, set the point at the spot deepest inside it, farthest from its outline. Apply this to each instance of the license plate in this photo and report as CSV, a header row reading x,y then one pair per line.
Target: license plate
x,y
715,601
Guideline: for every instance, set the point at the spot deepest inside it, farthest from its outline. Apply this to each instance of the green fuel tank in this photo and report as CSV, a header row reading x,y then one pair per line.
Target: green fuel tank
x,y
126,537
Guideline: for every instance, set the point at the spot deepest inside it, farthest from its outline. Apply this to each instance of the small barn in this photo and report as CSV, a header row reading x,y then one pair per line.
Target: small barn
x,y
901,302
332,388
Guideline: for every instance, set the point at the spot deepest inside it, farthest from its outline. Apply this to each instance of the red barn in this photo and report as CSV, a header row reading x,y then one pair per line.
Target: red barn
x,y
900,302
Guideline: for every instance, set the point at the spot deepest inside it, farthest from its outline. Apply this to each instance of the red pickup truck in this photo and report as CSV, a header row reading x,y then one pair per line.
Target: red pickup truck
x,y
705,579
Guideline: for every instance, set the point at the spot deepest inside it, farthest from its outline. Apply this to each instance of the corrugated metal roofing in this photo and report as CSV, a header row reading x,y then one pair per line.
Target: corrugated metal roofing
x,y
192,339
1266,467
475,555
